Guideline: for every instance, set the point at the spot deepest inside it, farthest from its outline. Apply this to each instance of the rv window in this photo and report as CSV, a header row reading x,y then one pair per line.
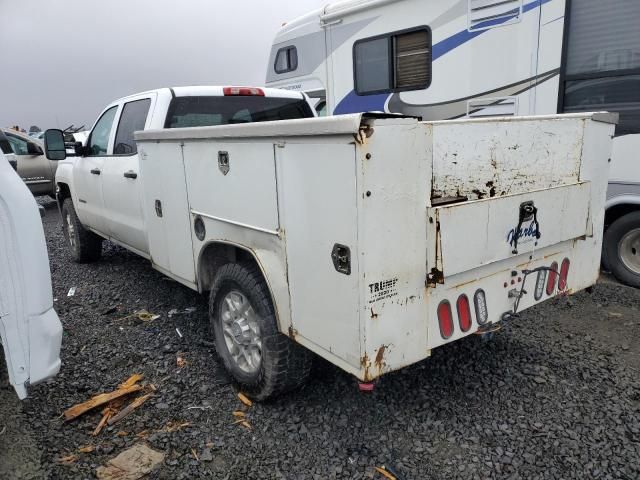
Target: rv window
x,y
286,60
393,62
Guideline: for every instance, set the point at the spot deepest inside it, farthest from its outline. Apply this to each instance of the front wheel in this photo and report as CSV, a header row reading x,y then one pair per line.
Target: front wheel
x,y
262,361
85,246
622,248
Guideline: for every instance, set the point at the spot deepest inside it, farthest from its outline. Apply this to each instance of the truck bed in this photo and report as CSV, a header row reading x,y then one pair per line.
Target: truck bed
x,y
382,237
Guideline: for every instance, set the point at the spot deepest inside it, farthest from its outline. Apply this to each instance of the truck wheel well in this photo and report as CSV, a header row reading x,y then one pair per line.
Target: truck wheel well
x,y
217,254
63,191
617,211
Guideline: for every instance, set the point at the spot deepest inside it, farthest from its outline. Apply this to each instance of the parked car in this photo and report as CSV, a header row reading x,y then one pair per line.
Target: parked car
x,y
36,170
7,151
31,331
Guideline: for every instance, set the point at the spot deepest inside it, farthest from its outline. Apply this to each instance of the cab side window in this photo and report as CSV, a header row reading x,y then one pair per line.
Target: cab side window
x,y
133,118
18,145
99,140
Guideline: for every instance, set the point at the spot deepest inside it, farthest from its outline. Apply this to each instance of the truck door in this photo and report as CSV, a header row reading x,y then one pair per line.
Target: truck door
x,y
87,172
33,167
121,184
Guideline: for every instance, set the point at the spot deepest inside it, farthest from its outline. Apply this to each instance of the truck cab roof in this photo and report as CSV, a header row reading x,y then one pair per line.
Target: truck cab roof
x,y
216,91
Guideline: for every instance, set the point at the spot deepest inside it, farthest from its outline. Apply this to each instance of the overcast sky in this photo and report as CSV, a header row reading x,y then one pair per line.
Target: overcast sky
x,y
64,60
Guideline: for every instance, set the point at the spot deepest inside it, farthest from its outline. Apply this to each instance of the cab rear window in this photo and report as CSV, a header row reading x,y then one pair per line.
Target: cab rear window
x,y
210,111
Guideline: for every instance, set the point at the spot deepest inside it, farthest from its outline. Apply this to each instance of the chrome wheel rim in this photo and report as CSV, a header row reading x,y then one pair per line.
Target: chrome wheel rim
x,y
71,231
241,331
629,250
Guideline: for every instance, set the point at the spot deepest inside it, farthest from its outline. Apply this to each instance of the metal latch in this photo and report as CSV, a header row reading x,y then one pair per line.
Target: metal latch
x,y
528,211
341,256
223,162
159,208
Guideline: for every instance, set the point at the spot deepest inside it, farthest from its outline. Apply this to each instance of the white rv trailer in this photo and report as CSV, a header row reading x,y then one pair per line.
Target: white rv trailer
x,y
446,59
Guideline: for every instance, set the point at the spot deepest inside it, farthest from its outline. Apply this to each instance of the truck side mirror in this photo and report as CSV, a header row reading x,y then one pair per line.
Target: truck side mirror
x,y
54,147
33,149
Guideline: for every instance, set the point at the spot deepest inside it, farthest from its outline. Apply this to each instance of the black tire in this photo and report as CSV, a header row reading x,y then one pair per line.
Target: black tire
x,y
84,245
284,365
616,248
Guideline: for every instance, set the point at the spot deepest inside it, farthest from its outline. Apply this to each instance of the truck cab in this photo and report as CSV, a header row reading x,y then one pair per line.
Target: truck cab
x,y
101,184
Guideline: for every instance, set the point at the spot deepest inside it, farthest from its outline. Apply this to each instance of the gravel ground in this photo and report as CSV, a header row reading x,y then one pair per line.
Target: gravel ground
x,y
556,394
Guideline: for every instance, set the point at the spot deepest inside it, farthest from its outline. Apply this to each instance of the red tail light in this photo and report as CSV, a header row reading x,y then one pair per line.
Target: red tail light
x,y
445,319
464,313
551,280
564,273
243,91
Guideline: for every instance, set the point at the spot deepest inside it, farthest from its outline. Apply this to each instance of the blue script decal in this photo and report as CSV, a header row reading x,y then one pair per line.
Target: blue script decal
x,y
524,234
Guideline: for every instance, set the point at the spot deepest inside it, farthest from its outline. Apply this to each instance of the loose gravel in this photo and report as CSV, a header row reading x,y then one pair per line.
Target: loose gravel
x,y
554,395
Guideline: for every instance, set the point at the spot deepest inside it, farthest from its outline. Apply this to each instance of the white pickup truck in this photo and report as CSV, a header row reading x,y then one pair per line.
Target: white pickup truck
x,y
99,190
366,238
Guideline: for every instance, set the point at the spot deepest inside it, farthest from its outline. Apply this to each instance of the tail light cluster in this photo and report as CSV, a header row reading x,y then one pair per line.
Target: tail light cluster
x,y
243,92
464,315
548,280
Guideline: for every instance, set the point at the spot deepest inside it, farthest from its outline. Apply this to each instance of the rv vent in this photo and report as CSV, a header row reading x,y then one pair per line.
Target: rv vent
x,y
492,107
485,14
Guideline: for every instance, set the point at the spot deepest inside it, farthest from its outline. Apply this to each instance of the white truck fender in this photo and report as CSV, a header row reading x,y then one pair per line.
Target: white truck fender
x,y
30,330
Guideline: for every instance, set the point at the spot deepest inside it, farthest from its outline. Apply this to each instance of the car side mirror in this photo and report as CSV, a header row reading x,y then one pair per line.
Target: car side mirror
x,y
80,150
33,149
54,147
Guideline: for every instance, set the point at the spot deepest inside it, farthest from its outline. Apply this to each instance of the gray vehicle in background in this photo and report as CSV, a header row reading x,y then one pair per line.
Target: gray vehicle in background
x,y
32,165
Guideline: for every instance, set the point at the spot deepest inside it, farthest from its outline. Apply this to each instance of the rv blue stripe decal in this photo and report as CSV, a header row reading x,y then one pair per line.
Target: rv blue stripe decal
x,y
353,102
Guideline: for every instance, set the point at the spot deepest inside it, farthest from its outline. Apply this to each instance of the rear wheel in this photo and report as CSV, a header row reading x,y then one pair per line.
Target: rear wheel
x,y
85,246
262,361
622,248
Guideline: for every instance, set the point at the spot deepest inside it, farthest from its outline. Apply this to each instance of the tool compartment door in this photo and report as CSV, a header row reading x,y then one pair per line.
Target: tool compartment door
x,y
478,233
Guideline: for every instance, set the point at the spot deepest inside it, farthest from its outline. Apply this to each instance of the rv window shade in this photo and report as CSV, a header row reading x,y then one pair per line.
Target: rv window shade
x,y
603,36
412,66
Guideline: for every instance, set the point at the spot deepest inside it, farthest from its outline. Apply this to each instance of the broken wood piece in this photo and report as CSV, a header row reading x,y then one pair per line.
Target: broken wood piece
x,y
107,413
87,449
195,455
244,399
382,471
131,381
122,433
128,409
246,424
132,464
97,401
175,426
68,459
238,414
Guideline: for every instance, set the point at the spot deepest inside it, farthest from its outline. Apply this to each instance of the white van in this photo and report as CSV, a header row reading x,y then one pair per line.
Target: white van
x,y
447,59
